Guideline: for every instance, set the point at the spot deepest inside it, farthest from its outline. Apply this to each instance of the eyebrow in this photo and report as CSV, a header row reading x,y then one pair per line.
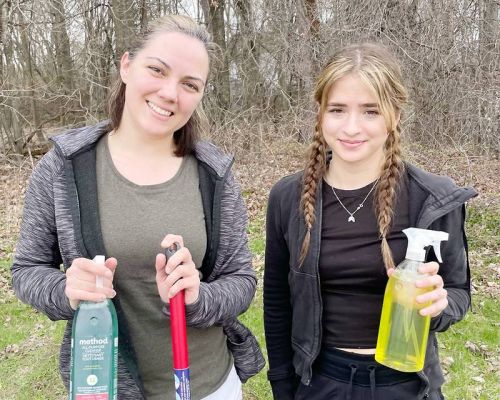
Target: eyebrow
x,y
365,105
169,67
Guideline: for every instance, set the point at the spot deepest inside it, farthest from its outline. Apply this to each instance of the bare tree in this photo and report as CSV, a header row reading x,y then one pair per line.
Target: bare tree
x,y
28,69
11,129
124,18
61,43
213,11
58,58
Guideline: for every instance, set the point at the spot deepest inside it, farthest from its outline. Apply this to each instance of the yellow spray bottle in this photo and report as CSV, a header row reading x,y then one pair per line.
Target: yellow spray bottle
x,y
403,332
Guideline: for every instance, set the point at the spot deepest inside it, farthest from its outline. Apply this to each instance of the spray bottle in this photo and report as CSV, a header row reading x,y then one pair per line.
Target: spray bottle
x,y
403,332
94,350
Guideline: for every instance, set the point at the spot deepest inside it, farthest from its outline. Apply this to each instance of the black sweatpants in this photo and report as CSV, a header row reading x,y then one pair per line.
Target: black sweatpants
x,y
349,376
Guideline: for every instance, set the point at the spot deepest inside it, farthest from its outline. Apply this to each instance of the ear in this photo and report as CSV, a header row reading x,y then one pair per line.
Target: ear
x,y
125,66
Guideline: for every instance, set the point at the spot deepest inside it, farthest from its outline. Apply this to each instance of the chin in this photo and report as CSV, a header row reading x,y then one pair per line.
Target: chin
x,y
156,130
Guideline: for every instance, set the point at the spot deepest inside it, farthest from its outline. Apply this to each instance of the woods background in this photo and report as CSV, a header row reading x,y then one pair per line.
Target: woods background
x,y
59,57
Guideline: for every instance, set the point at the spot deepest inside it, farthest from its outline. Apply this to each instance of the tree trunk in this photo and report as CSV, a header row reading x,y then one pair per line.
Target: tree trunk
x,y
489,46
123,20
29,77
311,12
489,33
64,63
61,44
143,12
12,129
97,60
214,17
249,55
248,67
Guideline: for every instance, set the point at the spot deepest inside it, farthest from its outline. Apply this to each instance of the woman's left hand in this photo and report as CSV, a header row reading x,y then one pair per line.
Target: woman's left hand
x,y
179,273
438,296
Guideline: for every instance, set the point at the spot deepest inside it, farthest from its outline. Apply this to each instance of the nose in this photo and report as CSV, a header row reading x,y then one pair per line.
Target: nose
x,y
352,124
168,90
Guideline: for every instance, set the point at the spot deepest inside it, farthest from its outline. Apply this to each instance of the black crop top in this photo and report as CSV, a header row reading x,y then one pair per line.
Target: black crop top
x,y
352,273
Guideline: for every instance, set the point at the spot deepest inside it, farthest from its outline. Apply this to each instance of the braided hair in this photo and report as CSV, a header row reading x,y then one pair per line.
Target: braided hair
x,y
379,70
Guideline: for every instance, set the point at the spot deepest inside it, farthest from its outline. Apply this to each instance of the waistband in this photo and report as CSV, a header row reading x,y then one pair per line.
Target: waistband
x,y
360,369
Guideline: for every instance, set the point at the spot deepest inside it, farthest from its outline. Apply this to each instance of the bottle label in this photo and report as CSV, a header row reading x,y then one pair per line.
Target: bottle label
x,y
182,388
93,361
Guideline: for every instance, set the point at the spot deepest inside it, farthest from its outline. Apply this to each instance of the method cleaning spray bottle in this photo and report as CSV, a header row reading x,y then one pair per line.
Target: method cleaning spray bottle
x,y
403,332
94,350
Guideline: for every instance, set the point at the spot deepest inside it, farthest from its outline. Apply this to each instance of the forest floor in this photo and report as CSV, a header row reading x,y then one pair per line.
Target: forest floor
x,y
469,350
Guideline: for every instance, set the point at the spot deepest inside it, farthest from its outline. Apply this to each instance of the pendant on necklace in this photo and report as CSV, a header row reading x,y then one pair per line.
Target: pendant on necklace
x,y
351,219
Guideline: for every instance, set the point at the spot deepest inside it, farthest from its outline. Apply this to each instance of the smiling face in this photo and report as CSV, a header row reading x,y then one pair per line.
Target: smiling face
x,y
164,84
352,124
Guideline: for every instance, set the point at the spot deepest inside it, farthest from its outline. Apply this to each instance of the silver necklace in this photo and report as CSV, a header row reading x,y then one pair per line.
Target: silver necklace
x,y
351,214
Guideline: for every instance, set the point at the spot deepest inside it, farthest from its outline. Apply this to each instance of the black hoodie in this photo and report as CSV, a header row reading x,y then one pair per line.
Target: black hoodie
x,y
292,295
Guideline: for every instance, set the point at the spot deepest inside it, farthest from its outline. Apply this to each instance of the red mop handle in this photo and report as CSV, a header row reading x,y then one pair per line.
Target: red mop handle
x,y
179,339
178,331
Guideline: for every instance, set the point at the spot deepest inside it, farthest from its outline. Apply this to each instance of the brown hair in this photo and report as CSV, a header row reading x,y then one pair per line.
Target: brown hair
x,y
186,137
380,71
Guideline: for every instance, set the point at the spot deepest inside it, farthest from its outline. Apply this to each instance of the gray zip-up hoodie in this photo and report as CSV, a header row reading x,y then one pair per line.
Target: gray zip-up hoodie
x,y
61,223
292,294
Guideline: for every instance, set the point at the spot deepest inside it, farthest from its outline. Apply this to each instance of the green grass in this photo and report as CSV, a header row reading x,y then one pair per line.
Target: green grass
x,y
469,350
32,374
483,227
257,241
258,387
29,346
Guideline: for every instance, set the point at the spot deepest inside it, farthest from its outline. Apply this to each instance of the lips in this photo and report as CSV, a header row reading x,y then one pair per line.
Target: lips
x,y
351,143
157,109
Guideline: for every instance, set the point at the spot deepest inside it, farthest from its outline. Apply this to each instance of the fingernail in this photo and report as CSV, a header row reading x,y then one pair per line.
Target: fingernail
x,y
113,294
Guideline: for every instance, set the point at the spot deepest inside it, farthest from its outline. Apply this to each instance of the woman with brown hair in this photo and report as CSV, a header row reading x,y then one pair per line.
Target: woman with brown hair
x,y
334,234
128,188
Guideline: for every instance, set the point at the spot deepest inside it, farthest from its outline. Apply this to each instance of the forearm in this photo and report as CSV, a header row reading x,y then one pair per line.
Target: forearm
x,y
220,300
36,275
43,288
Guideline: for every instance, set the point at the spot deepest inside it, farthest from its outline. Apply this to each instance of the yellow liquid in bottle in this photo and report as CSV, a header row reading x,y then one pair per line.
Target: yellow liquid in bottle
x,y
403,332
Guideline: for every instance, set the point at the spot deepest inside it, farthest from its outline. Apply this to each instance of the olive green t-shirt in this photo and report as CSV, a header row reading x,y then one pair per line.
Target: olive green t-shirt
x,y
134,221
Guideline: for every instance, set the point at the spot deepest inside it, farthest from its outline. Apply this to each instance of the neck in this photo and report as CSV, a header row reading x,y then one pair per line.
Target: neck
x,y
142,146
349,177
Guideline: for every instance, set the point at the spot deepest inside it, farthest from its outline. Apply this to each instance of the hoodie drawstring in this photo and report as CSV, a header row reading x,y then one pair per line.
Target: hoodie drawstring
x,y
373,384
354,368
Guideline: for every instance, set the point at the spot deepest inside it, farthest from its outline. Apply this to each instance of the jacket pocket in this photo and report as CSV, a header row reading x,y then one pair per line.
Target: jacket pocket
x,y
248,358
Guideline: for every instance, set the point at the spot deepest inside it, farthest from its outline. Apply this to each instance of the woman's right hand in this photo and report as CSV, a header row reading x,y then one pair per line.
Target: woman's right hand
x,y
81,280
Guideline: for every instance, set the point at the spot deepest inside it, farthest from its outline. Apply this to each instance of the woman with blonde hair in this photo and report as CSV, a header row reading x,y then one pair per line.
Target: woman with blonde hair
x,y
334,233
128,188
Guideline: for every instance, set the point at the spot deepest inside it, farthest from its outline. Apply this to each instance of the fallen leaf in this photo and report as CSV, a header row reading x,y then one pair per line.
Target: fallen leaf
x,y
447,361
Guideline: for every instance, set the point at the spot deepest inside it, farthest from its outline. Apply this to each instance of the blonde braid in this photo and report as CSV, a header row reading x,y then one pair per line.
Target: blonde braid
x,y
314,171
385,196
